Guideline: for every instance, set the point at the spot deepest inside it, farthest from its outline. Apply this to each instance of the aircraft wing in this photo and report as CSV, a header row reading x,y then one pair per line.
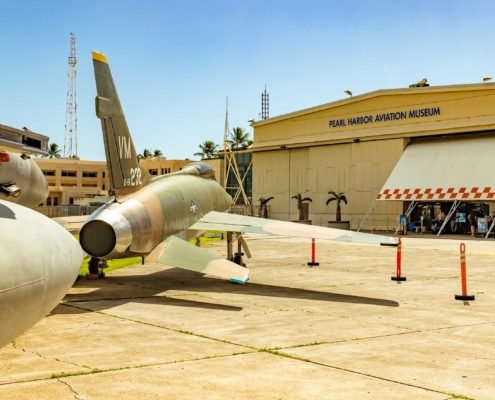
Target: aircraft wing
x,y
240,223
178,253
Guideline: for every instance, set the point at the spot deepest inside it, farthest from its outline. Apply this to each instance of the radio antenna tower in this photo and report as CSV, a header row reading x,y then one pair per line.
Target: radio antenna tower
x,y
265,108
70,140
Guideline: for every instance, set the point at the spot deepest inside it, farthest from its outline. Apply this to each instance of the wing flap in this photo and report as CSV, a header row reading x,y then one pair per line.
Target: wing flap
x,y
244,224
177,253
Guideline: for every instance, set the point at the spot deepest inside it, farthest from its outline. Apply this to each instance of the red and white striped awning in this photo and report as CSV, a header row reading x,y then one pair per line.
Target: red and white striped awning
x,y
444,170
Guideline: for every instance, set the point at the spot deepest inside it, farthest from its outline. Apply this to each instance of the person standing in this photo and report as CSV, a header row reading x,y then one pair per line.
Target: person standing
x,y
472,222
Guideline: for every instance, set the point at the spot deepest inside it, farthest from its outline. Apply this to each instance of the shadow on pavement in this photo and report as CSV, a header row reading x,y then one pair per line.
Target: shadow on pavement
x,y
117,290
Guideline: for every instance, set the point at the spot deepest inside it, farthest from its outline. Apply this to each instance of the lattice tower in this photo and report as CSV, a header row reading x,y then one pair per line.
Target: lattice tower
x,y
231,165
265,105
70,140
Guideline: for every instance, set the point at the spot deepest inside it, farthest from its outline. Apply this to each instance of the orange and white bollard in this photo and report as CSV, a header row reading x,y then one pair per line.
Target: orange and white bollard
x,y
464,295
398,276
313,263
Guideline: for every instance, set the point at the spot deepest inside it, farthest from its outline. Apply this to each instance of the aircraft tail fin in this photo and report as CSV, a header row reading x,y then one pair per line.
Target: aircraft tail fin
x,y
123,166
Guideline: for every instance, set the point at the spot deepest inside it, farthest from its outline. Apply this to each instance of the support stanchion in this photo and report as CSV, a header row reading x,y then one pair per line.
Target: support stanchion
x,y
398,277
313,263
464,295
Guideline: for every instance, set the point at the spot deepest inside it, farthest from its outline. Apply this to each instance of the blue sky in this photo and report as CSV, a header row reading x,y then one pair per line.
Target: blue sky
x,y
176,62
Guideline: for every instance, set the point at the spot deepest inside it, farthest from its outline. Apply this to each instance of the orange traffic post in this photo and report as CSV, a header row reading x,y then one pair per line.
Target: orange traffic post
x,y
464,295
313,263
398,276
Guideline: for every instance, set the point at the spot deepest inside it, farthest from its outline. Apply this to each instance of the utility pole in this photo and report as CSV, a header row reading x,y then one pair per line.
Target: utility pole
x,y
70,139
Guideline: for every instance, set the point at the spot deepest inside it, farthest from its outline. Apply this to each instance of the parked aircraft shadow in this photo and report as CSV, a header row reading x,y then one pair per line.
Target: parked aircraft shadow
x,y
152,288
82,306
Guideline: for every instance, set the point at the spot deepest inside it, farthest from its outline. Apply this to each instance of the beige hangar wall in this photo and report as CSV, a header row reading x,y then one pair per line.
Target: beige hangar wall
x,y
357,169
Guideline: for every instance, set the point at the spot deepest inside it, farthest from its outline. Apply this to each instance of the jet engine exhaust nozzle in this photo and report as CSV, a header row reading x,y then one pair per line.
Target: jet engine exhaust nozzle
x,y
97,238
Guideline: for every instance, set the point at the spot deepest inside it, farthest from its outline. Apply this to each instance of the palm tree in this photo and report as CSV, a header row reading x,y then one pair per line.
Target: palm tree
x,y
300,200
238,138
208,149
263,209
53,151
157,153
146,154
338,197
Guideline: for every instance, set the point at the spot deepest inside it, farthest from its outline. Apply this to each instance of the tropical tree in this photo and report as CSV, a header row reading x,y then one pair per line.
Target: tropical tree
x,y
338,197
53,151
157,153
238,138
146,154
208,149
300,200
263,208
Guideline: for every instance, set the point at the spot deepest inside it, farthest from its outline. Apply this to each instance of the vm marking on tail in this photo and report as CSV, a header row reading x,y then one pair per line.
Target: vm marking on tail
x,y
124,146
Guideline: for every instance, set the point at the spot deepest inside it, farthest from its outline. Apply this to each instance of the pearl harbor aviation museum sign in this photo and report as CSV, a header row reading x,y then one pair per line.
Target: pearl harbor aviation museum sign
x,y
391,116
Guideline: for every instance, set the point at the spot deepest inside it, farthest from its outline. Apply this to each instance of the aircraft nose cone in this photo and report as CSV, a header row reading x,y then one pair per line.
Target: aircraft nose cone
x,y
97,238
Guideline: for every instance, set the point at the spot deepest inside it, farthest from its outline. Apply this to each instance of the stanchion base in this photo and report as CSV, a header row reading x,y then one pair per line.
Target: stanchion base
x,y
313,264
399,278
461,297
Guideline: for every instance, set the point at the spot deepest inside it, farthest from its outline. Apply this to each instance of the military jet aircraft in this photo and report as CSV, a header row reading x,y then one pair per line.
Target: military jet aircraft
x,y
39,259
156,216
18,170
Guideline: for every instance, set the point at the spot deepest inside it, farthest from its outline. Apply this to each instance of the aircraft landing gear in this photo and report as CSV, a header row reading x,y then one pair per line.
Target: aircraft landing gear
x,y
95,267
237,258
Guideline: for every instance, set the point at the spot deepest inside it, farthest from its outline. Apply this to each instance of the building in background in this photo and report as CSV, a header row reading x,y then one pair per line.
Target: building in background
x,y
80,186
353,146
73,182
162,166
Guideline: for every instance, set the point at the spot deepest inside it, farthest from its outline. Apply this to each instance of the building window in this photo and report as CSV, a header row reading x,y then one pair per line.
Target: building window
x,y
89,174
153,172
89,185
69,173
55,201
49,201
49,173
103,174
165,171
103,187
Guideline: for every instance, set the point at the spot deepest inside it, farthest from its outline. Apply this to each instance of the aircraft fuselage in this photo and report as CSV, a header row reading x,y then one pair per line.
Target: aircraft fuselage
x,y
167,206
27,176
40,262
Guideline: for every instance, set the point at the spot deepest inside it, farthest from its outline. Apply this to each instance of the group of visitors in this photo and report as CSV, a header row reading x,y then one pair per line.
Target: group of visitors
x,y
472,219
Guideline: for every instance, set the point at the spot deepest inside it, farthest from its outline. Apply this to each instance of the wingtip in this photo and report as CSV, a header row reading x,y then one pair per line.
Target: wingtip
x,y
99,57
241,281
391,244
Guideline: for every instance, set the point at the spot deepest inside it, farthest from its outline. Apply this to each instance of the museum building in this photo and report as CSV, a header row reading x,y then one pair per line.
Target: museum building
x,y
412,151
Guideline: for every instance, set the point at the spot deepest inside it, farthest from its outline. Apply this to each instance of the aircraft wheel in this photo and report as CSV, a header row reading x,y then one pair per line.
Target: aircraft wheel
x,y
96,266
238,260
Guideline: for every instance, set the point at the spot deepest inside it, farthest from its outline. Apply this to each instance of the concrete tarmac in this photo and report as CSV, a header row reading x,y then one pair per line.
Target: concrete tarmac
x,y
341,330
